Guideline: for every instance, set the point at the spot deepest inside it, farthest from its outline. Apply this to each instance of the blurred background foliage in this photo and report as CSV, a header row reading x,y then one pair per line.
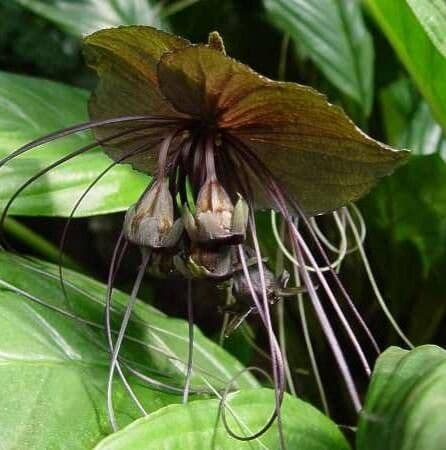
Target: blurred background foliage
x,y
354,54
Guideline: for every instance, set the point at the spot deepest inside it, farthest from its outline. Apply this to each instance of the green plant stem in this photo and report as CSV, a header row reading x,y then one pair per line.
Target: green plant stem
x,y
37,243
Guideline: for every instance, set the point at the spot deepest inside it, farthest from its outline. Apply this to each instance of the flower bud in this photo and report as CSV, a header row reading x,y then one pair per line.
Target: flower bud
x,y
150,223
216,219
203,262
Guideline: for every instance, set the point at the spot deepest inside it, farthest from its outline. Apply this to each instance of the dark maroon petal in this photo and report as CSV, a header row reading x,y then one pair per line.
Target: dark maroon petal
x,y
125,60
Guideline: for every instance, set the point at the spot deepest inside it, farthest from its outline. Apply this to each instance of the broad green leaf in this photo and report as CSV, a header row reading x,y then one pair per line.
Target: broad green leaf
x,y
404,408
198,427
54,367
335,37
422,59
408,121
31,108
82,17
432,16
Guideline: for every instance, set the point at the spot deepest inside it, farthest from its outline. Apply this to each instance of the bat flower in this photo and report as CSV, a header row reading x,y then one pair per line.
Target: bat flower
x,y
226,141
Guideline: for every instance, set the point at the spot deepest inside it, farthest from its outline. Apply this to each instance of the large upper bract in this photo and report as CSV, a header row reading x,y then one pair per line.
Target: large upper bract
x,y
309,145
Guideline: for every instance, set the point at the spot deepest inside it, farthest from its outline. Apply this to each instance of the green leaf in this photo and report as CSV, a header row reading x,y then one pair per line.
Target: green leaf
x,y
197,426
405,215
411,206
31,108
422,59
408,121
82,17
432,16
336,39
53,367
404,408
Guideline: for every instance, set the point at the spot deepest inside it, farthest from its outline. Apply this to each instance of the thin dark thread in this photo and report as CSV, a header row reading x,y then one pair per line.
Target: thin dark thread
x,y
284,209
46,170
190,320
76,129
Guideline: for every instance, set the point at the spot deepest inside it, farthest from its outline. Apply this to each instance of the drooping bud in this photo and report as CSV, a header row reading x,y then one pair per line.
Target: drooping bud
x,y
216,219
204,262
150,223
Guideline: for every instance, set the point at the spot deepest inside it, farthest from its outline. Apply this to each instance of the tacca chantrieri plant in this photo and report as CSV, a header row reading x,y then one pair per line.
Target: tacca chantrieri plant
x,y
222,142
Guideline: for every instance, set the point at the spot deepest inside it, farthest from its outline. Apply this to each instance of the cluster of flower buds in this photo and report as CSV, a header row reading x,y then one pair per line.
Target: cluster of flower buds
x,y
215,227
206,250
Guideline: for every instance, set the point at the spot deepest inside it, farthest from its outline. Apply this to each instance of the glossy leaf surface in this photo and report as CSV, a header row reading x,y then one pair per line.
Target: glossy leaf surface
x,y
85,16
412,203
432,16
31,108
54,367
405,402
196,426
408,120
334,36
422,59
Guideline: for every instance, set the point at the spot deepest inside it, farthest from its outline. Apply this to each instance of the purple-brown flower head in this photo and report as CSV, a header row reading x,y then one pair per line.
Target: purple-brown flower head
x,y
227,141
150,223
